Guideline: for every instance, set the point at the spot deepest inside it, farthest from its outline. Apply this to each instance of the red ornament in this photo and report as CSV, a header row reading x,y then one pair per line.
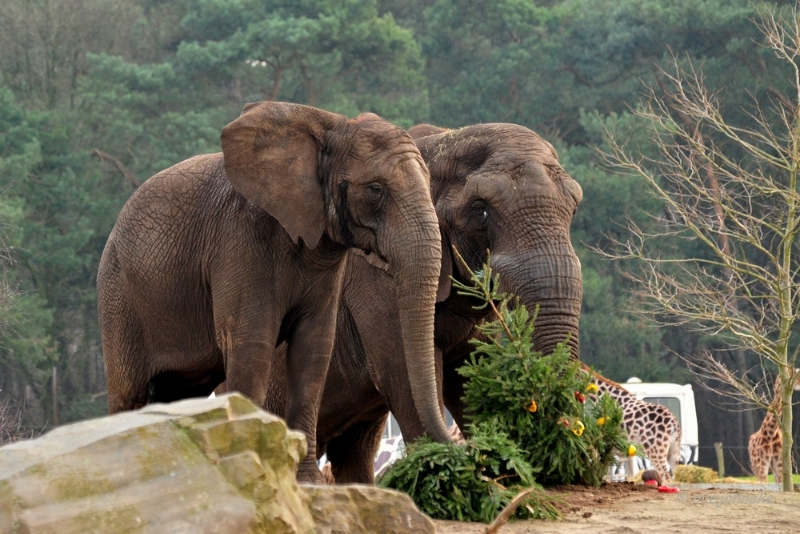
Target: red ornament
x,y
581,398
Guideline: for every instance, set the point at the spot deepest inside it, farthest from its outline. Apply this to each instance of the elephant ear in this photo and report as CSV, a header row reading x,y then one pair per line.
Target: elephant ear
x,y
445,282
272,157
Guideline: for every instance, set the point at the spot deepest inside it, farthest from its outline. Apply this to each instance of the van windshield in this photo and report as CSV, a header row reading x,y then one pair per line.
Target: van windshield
x,y
672,404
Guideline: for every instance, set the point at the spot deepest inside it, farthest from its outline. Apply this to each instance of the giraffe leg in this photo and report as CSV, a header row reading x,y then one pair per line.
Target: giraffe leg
x,y
757,460
659,460
762,470
630,470
777,466
760,465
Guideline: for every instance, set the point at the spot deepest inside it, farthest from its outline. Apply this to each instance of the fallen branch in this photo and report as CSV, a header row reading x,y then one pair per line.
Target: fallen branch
x,y
507,512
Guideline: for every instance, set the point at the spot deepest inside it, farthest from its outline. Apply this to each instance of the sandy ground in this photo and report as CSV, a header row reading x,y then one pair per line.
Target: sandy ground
x,y
628,509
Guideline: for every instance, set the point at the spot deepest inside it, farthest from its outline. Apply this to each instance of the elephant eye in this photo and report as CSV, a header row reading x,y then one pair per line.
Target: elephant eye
x,y
480,213
374,192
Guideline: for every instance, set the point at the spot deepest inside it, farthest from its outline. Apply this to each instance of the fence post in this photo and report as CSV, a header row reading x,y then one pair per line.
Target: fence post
x,y
720,459
55,396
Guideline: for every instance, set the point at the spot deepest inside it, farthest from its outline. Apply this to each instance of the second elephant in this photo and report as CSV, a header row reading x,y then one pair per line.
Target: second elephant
x,y
494,186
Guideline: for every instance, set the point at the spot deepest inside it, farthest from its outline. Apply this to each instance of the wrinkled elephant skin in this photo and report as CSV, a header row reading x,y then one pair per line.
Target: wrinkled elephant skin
x,y
217,260
497,187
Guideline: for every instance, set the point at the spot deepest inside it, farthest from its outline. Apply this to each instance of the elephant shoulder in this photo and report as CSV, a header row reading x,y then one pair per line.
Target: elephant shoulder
x,y
187,176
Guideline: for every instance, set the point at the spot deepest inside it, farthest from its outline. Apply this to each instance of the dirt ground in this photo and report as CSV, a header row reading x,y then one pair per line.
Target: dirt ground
x,y
633,509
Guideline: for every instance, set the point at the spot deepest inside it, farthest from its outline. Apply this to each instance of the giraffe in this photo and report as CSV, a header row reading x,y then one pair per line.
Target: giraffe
x,y
765,445
651,425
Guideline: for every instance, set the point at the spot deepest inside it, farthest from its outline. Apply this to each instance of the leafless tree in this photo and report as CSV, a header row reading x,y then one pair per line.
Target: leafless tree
x,y
11,423
733,190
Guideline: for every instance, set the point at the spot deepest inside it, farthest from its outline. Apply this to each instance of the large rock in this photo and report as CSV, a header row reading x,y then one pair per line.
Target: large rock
x,y
210,465
195,466
346,509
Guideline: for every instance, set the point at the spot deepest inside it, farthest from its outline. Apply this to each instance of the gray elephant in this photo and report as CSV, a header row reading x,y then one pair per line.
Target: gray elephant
x,y
497,187
217,260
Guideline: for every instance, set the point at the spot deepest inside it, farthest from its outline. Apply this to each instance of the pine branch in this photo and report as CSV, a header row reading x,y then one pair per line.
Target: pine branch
x,y
486,289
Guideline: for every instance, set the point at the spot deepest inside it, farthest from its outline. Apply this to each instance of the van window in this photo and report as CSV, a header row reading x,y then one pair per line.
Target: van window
x,y
673,404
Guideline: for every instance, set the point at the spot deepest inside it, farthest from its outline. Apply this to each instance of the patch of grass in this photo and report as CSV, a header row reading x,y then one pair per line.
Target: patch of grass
x,y
695,474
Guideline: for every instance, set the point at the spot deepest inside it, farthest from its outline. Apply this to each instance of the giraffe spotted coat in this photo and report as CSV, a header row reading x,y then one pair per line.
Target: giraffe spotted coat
x,y
765,449
765,445
653,426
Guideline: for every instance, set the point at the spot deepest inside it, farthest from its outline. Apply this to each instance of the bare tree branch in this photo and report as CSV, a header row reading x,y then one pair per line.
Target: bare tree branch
x,y
127,173
744,211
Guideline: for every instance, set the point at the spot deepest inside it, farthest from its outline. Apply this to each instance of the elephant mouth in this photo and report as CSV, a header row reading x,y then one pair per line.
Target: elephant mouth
x,y
345,216
373,258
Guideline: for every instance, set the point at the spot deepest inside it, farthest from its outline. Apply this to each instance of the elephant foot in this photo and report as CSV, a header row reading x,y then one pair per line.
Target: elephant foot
x,y
309,473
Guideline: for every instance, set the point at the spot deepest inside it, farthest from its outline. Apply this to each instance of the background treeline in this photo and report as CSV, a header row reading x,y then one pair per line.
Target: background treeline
x,y
98,95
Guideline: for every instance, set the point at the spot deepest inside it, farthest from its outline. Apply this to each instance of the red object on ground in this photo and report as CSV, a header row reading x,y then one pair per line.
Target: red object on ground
x,y
651,482
667,489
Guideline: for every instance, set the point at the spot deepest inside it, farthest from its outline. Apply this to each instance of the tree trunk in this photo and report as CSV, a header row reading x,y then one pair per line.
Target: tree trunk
x,y
787,386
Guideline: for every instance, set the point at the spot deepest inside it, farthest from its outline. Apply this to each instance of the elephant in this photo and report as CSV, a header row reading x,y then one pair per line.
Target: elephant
x,y
495,186
217,260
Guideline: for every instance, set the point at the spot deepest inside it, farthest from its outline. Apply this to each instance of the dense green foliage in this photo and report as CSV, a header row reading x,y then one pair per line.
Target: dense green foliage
x,y
562,437
541,402
471,482
97,95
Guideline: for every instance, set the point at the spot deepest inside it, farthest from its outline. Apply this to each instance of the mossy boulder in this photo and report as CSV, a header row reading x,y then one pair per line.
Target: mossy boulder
x,y
194,466
200,465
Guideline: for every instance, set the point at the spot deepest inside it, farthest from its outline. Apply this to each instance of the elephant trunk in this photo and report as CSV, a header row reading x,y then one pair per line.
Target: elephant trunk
x,y
551,279
415,261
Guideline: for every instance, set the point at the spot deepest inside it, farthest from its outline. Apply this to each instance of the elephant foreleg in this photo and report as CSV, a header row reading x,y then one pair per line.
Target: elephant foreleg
x,y
352,454
247,367
308,357
453,383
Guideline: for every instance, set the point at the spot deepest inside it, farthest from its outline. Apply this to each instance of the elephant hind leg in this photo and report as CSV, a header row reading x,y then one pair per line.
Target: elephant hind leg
x,y
127,373
352,454
124,349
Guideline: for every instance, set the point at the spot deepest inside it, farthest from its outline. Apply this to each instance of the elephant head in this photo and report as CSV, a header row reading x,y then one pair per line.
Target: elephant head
x,y
500,187
358,183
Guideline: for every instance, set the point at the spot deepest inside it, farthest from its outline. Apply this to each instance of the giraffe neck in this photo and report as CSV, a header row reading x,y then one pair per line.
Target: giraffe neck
x,y
776,393
611,388
769,419
614,390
